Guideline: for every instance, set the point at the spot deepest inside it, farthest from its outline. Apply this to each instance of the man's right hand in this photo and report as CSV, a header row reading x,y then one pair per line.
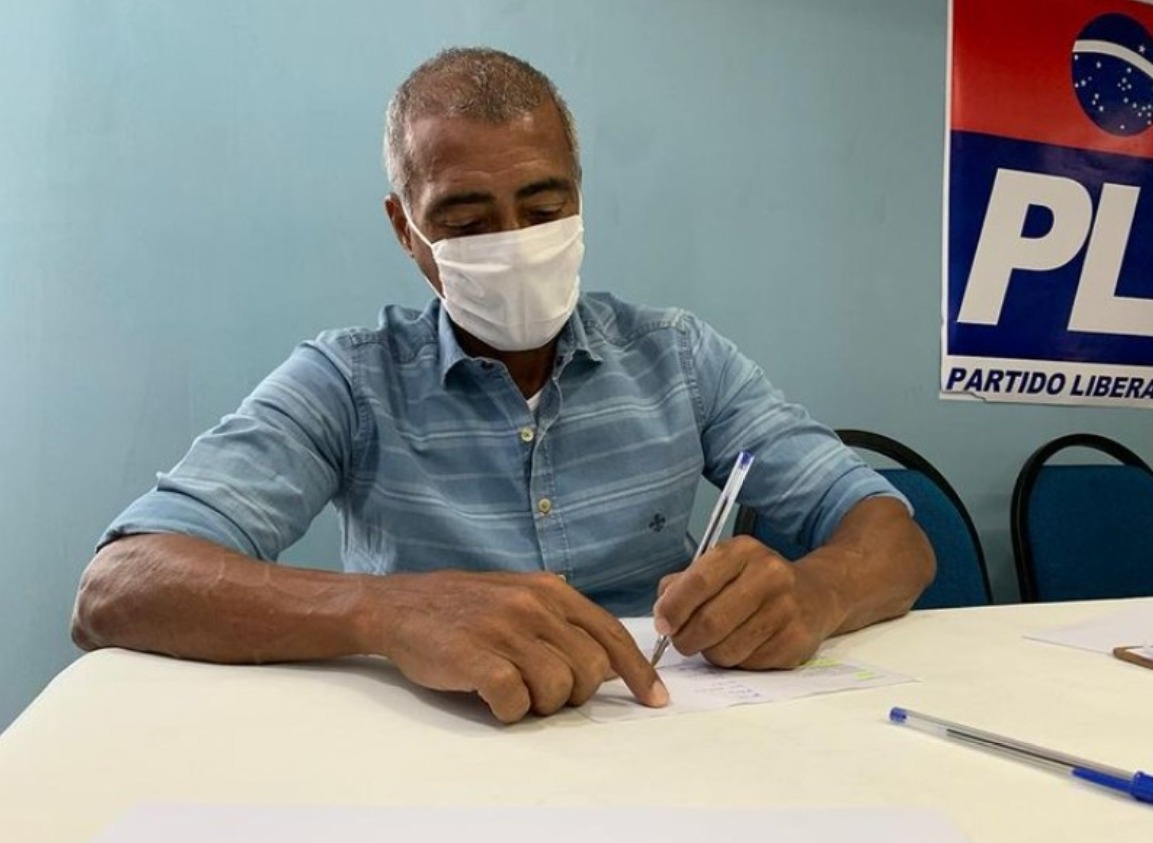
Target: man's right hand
x,y
523,642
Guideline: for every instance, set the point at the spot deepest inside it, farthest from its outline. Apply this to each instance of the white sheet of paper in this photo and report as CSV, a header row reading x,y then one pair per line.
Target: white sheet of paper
x,y
1130,627
695,685
324,824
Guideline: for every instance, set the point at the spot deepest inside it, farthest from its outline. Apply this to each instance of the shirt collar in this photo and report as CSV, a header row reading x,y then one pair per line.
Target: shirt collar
x,y
573,343
451,354
574,339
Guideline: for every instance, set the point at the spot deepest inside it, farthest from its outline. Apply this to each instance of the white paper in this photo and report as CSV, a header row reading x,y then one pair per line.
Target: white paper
x,y
325,824
1130,627
696,685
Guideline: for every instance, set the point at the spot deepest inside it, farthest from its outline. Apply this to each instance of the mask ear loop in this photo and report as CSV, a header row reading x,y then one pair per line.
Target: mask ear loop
x,y
420,234
412,225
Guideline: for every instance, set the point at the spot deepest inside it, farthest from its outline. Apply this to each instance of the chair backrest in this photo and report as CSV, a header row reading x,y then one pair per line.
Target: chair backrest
x,y
1085,531
962,578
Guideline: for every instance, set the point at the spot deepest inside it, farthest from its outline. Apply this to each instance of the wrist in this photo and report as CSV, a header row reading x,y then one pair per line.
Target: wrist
x,y
371,622
822,578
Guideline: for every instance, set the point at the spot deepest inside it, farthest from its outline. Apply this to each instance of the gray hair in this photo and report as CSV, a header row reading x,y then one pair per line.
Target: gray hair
x,y
475,82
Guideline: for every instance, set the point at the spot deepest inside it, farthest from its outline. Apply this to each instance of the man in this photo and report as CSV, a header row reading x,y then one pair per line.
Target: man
x,y
519,459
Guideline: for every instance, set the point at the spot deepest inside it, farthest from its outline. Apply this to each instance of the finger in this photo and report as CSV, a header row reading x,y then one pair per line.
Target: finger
x,y
548,677
560,663
785,648
623,654
587,662
717,620
500,684
659,622
760,584
665,582
539,643
757,634
614,640
696,585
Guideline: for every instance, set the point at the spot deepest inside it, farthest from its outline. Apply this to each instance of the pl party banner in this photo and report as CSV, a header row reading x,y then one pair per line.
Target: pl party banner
x,y
1048,270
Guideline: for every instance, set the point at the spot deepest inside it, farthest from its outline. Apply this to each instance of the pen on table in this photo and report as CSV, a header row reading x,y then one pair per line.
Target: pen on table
x,y
1138,785
716,523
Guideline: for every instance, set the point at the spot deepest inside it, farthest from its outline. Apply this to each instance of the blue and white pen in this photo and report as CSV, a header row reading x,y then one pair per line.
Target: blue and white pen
x,y
716,523
1138,785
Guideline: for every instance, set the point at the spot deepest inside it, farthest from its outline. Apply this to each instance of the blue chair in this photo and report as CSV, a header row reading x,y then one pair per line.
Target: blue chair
x,y
1084,531
962,578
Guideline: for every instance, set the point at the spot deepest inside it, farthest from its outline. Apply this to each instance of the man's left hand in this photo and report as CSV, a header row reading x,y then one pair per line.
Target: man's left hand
x,y
742,605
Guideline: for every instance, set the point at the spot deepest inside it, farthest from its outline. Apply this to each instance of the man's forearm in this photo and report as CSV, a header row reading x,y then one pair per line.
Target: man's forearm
x,y
190,598
523,642
875,565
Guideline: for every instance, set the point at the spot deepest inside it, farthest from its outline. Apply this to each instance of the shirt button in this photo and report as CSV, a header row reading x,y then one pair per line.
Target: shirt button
x,y
544,506
562,577
526,434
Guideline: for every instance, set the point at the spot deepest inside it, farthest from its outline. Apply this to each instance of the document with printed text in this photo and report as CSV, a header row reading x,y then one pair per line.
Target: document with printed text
x,y
696,685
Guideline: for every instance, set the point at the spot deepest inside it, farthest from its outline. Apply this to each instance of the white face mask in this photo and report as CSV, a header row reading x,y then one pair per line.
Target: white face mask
x,y
513,290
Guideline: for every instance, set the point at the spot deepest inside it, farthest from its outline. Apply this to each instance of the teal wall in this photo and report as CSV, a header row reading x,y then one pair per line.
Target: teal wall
x,y
187,189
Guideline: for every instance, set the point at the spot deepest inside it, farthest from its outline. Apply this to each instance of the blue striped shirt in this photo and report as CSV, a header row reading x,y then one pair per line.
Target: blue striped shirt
x,y
434,460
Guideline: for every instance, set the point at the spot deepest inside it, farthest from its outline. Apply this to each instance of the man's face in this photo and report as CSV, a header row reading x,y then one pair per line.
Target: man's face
x,y
472,177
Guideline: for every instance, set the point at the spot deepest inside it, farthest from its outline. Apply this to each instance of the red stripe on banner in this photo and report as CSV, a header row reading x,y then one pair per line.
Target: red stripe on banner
x,y
1012,71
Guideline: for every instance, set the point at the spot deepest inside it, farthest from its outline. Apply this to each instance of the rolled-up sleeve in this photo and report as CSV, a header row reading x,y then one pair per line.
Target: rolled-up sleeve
x,y
804,479
256,481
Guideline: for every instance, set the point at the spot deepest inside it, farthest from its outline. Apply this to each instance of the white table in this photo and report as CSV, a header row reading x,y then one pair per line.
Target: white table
x,y
120,728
